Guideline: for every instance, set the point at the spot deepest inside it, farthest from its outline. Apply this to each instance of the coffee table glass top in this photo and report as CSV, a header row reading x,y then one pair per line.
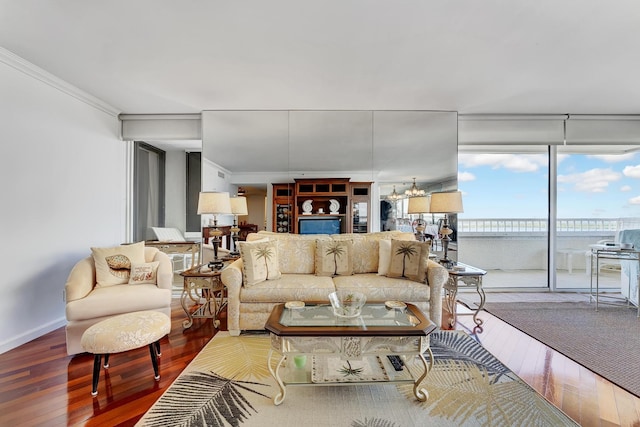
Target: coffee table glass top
x,y
372,315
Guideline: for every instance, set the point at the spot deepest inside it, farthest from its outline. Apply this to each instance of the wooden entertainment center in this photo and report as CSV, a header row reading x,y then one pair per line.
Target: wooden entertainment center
x,y
313,199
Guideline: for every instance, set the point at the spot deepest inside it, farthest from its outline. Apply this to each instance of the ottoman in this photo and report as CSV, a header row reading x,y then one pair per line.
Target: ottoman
x,y
123,333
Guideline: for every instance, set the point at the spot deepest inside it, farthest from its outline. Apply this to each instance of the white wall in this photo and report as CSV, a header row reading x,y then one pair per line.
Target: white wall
x,y
63,170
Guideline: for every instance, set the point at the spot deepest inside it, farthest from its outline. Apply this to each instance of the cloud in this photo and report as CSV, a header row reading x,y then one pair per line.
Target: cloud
x,y
632,171
466,176
613,158
625,188
635,200
592,181
512,162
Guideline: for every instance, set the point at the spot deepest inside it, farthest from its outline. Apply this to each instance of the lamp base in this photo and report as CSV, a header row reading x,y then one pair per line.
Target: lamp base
x,y
216,264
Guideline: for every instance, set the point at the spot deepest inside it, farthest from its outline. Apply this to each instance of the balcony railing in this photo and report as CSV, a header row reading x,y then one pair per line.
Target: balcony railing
x,y
535,225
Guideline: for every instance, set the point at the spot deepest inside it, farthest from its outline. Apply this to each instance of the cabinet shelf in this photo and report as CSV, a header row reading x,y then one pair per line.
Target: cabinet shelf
x,y
353,198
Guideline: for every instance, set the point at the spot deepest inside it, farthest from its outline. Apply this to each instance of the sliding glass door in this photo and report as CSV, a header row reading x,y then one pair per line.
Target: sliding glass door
x,y
504,225
598,196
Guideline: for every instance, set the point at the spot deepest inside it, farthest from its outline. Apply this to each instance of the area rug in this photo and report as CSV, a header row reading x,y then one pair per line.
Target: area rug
x,y
606,341
229,384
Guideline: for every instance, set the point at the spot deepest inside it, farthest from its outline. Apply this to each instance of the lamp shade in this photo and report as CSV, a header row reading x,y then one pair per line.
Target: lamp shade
x,y
239,206
418,205
450,202
210,202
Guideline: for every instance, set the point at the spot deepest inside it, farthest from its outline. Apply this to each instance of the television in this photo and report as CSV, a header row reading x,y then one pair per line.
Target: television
x,y
319,225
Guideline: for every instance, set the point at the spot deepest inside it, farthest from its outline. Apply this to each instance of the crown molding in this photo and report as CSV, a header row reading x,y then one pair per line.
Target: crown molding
x,y
9,58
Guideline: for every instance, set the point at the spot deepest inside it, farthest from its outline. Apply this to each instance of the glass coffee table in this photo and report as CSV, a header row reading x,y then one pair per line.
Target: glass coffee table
x,y
315,347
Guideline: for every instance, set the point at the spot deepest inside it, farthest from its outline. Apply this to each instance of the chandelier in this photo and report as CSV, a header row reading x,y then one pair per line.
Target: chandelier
x,y
394,196
414,191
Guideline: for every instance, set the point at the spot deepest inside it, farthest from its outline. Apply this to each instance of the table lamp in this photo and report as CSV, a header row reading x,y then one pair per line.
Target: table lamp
x,y
238,207
419,205
210,202
446,203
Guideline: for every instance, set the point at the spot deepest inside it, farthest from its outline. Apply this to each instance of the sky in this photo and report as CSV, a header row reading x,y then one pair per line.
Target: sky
x,y
515,185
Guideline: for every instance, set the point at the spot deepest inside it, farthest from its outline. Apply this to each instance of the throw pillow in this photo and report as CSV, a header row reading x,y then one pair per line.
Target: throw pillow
x,y
384,258
113,265
408,259
334,257
144,273
259,261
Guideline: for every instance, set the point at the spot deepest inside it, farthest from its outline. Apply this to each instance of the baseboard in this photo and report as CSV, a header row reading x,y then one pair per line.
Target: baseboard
x,y
31,335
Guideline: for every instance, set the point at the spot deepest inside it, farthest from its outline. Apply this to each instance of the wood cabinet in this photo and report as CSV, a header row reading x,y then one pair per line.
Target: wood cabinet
x,y
360,207
334,200
283,207
317,199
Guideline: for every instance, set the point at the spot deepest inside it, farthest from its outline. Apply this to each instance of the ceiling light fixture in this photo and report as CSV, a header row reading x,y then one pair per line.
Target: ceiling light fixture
x,y
394,196
414,191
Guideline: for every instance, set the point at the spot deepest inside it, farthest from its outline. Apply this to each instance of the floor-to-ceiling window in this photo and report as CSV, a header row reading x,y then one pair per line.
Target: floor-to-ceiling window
x,y
504,225
598,196
149,187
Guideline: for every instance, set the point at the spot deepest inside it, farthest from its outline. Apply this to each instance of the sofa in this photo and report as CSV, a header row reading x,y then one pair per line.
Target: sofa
x,y
296,275
88,302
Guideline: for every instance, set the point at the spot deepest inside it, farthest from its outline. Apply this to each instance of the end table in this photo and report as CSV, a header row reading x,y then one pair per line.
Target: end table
x,y
466,275
200,283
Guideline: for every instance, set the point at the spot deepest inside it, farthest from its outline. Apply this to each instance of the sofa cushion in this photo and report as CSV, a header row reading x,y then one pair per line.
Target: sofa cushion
x,y
117,299
382,288
289,287
146,272
334,257
408,259
364,252
296,252
259,261
113,265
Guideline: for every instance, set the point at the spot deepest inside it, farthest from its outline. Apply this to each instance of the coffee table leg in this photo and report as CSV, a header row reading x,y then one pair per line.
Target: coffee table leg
x,y
420,392
279,398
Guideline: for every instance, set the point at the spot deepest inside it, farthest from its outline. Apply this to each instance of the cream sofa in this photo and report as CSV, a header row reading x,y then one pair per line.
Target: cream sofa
x,y
249,307
88,304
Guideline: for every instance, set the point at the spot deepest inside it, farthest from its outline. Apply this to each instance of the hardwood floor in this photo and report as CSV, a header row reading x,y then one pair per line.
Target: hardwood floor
x,y
587,398
40,385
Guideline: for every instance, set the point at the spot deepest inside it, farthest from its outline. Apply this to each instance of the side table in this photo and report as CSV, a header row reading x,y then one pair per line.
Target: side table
x,y
202,283
466,275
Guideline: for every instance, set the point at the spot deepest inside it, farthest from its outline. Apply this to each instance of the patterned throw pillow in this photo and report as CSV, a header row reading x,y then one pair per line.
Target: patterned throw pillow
x,y
384,252
259,261
144,273
408,259
334,257
113,265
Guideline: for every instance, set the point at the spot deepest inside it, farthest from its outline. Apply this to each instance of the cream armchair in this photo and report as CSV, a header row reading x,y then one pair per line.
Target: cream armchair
x,y
88,304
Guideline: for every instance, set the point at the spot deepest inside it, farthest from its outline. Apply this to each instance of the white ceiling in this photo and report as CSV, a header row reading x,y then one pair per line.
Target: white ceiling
x,y
470,56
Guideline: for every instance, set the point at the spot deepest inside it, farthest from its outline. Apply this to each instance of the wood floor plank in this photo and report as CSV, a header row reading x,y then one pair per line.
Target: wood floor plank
x,y
41,383
586,397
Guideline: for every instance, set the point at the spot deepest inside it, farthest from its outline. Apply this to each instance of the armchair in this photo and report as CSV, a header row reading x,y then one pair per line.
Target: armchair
x,y
87,304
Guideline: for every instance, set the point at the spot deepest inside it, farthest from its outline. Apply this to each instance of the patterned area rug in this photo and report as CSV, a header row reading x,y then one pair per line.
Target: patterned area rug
x,y
606,341
229,384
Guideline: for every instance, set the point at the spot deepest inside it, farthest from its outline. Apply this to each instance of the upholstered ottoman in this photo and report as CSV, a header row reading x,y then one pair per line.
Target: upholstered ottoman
x,y
123,333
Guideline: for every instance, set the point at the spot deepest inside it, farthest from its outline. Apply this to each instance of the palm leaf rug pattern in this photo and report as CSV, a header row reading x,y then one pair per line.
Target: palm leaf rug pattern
x,y
229,384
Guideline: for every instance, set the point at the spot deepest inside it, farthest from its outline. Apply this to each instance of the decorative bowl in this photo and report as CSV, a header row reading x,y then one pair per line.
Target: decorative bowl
x,y
347,303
